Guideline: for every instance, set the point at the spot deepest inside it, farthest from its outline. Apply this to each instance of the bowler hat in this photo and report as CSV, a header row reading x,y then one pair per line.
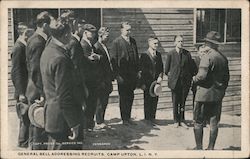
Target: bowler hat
x,y
213,37
89,27
155,89
36,115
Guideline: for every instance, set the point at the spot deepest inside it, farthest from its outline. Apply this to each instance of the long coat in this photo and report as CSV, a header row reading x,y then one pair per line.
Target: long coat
x,y
61,110
176,68
35,46
151,67
105,69
76,52
212,78
124,64
19,72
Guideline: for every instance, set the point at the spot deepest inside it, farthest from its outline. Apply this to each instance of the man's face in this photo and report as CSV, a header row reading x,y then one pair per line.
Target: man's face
x,y
105,37
126,30
153,44
179,42
89,35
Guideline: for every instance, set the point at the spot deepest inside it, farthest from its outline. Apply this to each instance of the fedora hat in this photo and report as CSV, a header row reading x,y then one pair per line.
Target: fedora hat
x,y
21,108
155,89
213,37
36,115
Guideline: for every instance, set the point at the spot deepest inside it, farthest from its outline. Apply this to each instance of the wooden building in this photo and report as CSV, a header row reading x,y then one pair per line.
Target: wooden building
x,y
193,24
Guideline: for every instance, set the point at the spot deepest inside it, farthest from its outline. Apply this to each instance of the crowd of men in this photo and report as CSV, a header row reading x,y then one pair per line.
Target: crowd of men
x,y
57,67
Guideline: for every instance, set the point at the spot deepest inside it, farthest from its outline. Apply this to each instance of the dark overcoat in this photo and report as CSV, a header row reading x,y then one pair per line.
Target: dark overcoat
x,y
19,72
35,46
179,67
61,110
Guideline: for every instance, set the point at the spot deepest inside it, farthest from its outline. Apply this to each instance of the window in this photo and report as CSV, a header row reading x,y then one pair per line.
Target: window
x,y
225,21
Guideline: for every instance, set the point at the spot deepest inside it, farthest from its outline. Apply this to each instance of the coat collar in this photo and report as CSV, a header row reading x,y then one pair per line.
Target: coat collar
x,y
42,34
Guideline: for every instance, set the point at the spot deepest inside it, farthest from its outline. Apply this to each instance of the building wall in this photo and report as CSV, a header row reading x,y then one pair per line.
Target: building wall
x,y
163,23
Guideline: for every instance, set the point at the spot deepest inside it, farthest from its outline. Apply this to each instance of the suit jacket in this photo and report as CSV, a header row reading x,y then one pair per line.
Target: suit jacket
x,y
76,53
125,64
35,46
105,69
177,68
212,78
61,110
90,68
151,67
19,72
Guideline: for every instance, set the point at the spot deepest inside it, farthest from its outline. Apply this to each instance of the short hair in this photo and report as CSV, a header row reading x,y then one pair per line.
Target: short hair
x,y
21,28
59,28
103,30
176,36
152,38
43,17
124,23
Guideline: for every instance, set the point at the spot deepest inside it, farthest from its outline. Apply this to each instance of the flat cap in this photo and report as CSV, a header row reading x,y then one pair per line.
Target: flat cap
x,y
89,27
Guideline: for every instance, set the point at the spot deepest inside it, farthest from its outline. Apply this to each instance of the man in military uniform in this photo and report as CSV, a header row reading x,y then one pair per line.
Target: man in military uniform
x,y
212,80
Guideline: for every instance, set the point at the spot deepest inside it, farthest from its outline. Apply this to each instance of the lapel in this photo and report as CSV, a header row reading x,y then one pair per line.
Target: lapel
x,y
151,58
176,56
102,49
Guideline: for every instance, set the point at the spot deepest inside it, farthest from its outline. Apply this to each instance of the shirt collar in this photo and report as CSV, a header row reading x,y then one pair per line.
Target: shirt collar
x,y
151,51
22,41
125,38
76,36
86,39
59,43
40,32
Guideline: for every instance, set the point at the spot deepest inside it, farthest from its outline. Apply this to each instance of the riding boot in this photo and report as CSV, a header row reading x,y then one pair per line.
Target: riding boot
x,y
198,134
212,138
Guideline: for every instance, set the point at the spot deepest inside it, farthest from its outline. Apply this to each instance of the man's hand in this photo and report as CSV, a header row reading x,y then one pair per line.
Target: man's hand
x,y
41,101
94,57
119,79
22,98
75,132
139,75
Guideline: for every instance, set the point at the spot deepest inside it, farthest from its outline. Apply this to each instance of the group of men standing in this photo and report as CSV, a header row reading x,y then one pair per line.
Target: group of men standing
x,y
61,69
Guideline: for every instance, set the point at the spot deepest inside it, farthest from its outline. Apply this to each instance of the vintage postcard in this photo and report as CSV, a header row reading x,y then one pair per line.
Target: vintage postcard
x,y
125,79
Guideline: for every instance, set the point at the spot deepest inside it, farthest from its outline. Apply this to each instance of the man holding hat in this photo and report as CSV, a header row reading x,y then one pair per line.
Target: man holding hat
x,y
63,113
125,62
106,73
34,92
180,69
19,76
91,68
212,80
151,75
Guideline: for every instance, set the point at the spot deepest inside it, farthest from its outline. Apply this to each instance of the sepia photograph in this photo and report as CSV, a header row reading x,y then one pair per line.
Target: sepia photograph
x,y
124,81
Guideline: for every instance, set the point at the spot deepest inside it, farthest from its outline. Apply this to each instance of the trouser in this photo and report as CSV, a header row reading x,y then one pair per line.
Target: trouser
x,y
101,107
23,136
38,138
207,111
60,141
150,105
91,104
126,95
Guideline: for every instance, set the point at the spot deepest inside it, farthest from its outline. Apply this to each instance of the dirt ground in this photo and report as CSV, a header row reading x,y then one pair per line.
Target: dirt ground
x,y
142,136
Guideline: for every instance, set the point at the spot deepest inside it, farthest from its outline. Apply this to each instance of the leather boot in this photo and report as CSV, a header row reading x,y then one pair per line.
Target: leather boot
x,y
198,134
213,133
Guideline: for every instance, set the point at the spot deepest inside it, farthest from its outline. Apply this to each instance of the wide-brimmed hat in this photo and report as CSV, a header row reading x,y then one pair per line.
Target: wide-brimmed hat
x,y
36,115
21,108
213,37
155,89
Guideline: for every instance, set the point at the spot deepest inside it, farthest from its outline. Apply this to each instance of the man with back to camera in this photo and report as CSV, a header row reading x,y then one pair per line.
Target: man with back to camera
x,y
63,113
19,76
212,80
179,68
35,46
106,73
152,70
125,62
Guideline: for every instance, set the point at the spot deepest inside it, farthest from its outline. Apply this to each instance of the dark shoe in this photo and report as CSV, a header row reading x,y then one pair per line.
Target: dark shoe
x,y
23,145
125,122
131,122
